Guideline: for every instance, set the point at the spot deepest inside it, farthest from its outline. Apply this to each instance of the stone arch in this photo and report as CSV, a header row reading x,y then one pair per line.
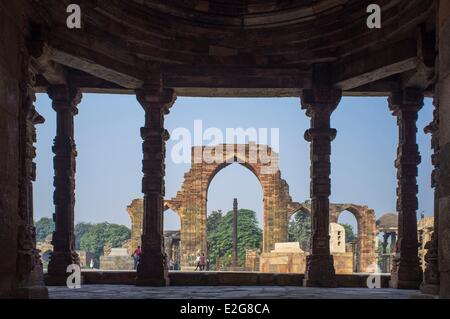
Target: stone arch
x,y
191,201
366,223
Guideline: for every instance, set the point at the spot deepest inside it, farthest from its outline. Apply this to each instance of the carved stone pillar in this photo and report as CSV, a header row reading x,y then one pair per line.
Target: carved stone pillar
x,y
406,273
65,100
430,284
156,101
29,265
319,104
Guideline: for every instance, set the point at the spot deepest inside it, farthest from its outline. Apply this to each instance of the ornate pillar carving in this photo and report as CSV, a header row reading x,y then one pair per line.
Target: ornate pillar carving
x,y
319,103
430,284
156,101
406,273
65,100
29,265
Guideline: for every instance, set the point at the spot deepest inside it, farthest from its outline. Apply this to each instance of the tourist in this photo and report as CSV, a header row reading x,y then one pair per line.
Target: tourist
x,y
171,264
202,262
137,257
197,262
92,263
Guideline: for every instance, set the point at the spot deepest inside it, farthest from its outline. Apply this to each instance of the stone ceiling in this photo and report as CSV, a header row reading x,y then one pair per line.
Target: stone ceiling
x,y
241,44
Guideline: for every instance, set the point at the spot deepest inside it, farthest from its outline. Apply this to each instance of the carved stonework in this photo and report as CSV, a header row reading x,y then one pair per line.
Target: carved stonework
x,y
29,265
156,101
406,271
65,100
319,104
430,282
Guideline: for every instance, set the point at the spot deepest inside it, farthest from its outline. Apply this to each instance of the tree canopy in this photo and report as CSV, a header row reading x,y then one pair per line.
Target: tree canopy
x,y
44,227
220,232
349,233
99,235
300,230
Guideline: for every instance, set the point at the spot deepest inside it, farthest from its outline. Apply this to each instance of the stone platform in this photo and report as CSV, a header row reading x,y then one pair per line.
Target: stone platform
x,y
230,292
209,278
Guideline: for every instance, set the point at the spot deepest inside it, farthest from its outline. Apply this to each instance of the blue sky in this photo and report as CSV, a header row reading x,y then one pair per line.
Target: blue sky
x,y
110,154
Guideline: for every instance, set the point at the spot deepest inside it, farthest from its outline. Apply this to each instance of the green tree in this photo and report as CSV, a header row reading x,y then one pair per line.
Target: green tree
x,y
99,235
220,242
44,227
299,230
80,230
349,233
214,220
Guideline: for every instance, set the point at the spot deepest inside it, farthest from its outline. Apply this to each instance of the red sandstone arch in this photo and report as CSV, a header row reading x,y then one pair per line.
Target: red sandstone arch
x,y
365,219
190,202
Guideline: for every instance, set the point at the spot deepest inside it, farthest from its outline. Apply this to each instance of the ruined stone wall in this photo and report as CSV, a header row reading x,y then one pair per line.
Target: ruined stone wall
x,y
367,232
366,221
136,212
11,33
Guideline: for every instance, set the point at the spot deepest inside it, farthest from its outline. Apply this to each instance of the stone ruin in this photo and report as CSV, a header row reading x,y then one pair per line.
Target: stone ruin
x,y
290,258
190,205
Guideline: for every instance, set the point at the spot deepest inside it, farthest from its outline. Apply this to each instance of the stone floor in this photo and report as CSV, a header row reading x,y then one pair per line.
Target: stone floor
x,y
228,292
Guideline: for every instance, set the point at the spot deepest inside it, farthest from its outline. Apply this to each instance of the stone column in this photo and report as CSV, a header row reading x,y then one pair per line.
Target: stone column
x,y
406,272
443,76
235,233
29,273
65,100
430,284
319,104
393,242
156,101
385,242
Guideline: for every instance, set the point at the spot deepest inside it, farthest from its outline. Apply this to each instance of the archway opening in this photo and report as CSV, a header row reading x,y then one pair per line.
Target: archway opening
x,y
102,226
349,243
172,238
299,229
234,182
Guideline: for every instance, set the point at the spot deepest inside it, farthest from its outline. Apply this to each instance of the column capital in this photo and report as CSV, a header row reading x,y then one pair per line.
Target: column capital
x,y
156,97
319,99
409,99
65,97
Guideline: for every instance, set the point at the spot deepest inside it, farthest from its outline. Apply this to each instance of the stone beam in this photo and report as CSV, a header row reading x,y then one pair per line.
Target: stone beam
x,y
99,65
394,59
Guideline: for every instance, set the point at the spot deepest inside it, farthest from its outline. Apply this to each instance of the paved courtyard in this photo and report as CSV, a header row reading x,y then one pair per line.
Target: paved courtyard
x,y
228,292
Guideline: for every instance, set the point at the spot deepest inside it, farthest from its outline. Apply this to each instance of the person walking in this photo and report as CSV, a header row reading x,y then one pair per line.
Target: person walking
x,y
202,262
137,257
197,261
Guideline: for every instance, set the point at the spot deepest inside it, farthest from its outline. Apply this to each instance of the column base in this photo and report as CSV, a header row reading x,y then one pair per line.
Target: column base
x,y
429,289
57,267
152,271
33,292
444,287
32,286
320,272
405,281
